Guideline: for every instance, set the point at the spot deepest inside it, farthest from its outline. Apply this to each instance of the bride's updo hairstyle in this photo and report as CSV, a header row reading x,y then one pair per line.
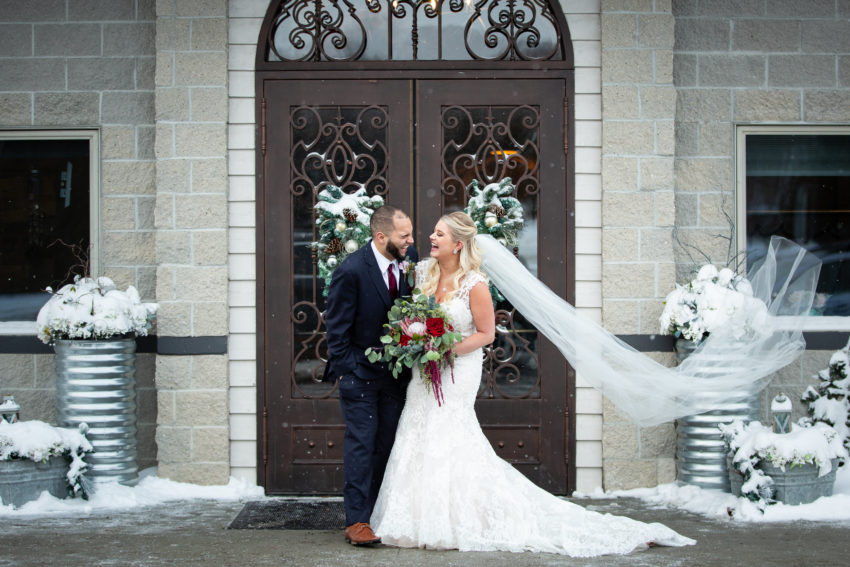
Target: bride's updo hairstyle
x,y
462,228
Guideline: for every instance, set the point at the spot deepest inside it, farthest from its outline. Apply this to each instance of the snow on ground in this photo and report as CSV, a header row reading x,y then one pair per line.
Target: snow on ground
x,y
718,505
152,490
149,491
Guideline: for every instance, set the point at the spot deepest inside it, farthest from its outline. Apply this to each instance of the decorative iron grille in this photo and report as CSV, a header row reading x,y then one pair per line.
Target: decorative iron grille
x,y
404,30
488,144
344,146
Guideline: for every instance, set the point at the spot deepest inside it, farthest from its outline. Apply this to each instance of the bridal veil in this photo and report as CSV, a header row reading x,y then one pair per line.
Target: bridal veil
x,y
726,367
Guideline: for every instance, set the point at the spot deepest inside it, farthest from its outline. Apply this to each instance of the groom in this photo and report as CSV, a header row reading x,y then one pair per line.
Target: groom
x,y
362,290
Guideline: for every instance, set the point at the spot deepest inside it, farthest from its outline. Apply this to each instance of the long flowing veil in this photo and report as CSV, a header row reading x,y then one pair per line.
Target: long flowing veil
x,y
726,367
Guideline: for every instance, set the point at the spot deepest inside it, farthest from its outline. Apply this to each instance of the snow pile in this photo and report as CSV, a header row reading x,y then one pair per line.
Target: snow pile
x,y
39,441
149,491
93,309
722,505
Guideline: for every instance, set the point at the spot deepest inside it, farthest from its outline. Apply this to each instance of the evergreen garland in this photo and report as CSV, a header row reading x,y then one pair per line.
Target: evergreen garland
x,y
342,220
496,212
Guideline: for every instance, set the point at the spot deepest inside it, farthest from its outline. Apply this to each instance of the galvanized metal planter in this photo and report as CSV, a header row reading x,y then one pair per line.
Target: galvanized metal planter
x,y
700,448
795,485
23,480
96,385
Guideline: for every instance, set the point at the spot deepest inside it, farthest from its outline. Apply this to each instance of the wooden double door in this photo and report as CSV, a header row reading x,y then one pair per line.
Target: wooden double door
x,y
419,144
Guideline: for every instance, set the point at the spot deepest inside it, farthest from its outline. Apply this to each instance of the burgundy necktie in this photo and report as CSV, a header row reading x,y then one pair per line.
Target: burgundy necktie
x,y
392,281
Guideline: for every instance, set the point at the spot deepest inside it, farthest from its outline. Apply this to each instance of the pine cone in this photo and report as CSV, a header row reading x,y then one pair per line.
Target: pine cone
x,y
349,215
334,246
497,210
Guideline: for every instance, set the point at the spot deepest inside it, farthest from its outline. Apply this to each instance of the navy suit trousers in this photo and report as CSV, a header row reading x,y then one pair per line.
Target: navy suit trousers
x,y
371,409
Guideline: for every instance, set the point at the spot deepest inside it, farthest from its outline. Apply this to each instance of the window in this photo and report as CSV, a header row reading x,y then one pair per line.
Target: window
x,y
48,191
306,30
796,183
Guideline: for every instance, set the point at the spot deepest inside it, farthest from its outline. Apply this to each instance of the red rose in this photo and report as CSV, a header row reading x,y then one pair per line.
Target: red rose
x,y
404,340
435,326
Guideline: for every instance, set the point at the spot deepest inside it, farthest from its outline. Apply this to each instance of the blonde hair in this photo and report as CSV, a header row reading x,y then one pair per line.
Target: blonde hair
x,y
462,229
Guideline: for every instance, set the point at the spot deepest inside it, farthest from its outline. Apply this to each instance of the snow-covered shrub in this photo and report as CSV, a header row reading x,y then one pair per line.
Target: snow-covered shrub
x,y
714,300
39,441
829,401
94,309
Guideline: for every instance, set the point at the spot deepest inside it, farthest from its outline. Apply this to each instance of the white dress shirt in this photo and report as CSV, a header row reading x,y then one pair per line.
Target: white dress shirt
x,y
383,262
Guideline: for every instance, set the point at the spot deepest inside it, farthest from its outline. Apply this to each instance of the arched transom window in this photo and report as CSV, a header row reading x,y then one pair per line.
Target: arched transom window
x,y
414,30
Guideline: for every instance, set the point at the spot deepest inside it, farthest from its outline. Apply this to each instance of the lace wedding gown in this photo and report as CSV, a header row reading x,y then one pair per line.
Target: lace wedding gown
x,y
445,487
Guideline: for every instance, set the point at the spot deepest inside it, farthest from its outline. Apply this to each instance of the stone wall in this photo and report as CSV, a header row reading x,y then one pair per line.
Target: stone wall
x,y
191,236
747,62
638,112
89,64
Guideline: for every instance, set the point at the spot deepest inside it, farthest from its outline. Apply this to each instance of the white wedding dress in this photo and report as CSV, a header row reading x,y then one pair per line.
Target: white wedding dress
x,y
445,487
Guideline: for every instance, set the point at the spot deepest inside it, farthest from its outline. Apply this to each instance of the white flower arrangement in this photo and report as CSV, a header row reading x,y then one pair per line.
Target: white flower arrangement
x,y
94,309
714,300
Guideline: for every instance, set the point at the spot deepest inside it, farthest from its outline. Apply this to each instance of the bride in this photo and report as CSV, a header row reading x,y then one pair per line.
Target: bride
x,y
444,486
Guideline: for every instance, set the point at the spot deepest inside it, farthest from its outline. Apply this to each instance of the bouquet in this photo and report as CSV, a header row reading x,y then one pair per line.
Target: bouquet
x,y
418,334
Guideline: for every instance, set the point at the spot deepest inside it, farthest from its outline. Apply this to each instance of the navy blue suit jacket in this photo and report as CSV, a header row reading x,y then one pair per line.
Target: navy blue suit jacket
x,y
358,302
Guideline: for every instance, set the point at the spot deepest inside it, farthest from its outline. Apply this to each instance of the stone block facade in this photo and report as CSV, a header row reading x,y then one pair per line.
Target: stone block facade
x,y
638,212
749,65
90,65
191,236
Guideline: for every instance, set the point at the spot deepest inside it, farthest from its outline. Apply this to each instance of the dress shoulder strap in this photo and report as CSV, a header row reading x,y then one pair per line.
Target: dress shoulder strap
x,y
470,280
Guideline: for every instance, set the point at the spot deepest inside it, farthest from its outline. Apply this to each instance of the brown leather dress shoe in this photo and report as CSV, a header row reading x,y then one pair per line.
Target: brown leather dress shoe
x,y
361,534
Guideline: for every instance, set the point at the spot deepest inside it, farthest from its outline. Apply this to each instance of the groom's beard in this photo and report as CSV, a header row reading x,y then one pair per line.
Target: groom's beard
x,y
393,249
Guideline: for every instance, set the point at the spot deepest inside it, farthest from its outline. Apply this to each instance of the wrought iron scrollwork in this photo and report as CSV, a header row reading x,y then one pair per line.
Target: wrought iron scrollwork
x,y
488,144
516,30
340,30
308,364
344,146
479,145
319,30
511,362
